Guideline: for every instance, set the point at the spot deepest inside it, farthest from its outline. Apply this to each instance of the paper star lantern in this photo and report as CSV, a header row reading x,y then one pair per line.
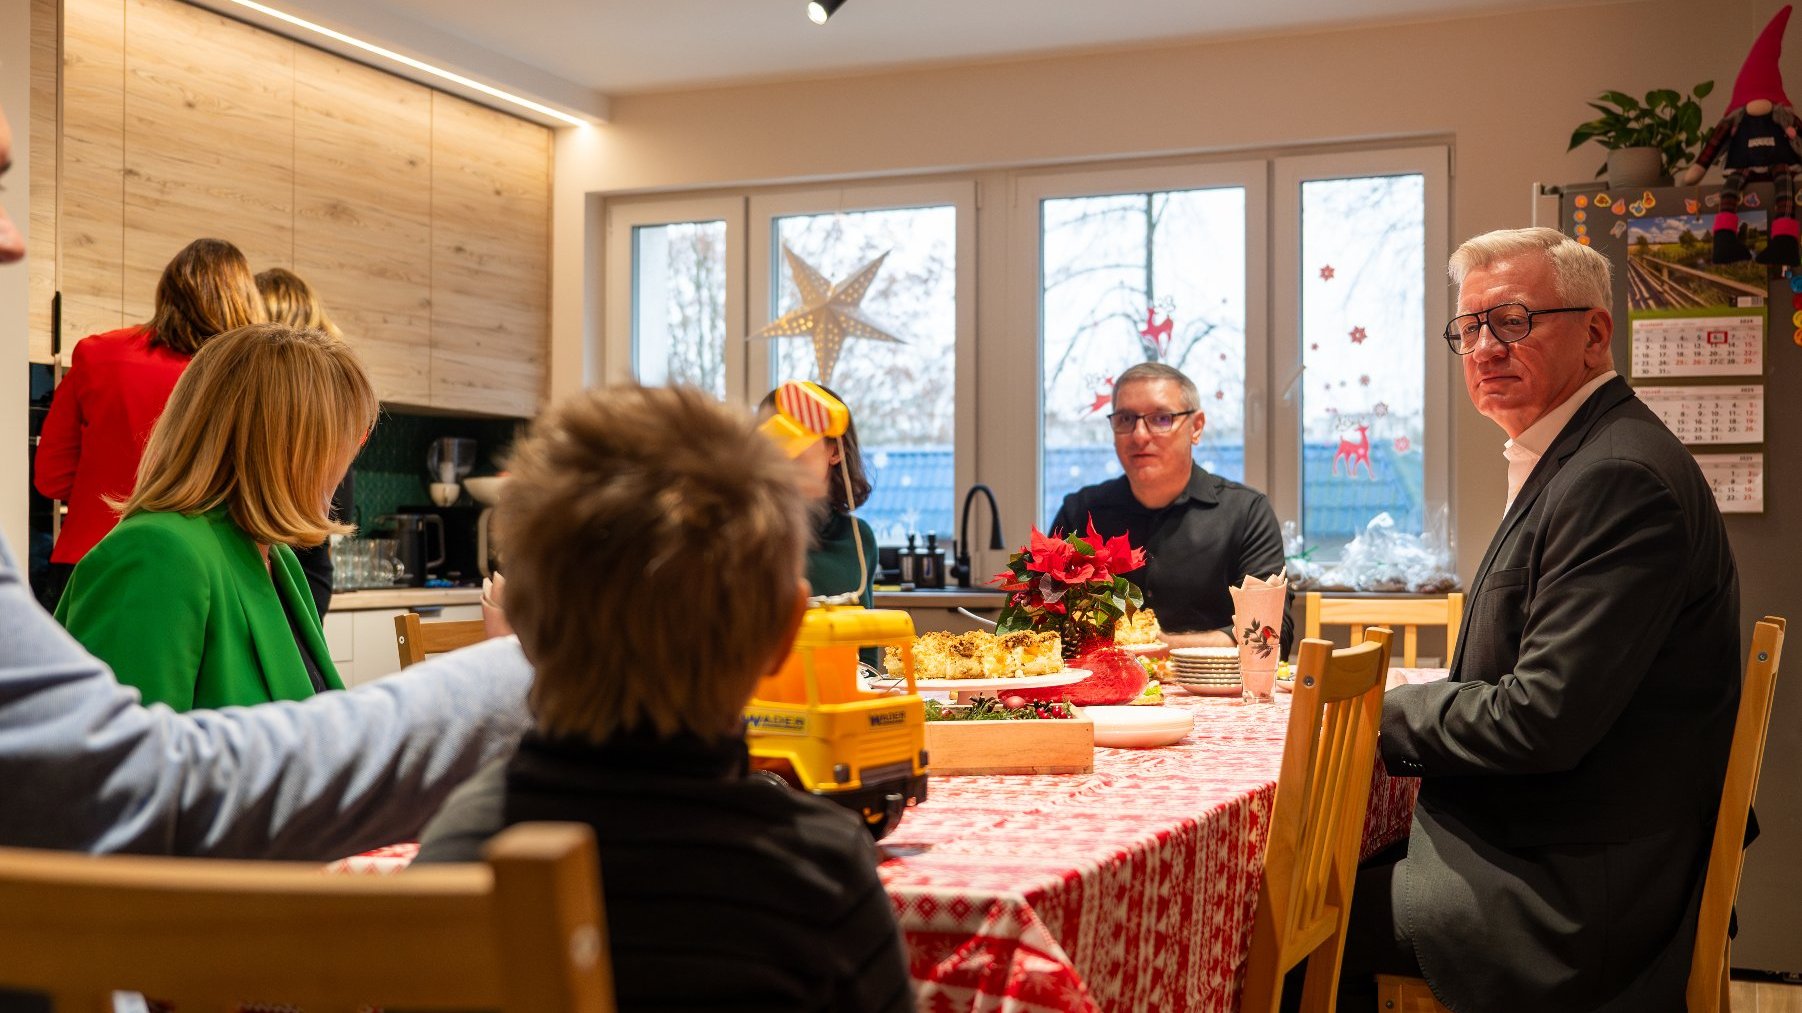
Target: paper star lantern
x,y
828,313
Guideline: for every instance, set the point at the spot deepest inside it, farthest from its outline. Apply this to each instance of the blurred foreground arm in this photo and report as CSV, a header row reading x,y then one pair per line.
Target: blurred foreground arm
x,y
88,767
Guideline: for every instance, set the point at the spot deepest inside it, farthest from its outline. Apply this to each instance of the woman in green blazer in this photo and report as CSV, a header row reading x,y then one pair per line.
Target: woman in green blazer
x,y
196,598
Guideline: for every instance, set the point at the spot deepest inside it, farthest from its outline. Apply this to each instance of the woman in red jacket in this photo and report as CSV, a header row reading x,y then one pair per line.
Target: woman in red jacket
x,y
117,384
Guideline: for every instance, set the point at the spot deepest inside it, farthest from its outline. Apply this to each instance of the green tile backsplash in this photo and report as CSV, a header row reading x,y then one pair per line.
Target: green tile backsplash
x,y
390,471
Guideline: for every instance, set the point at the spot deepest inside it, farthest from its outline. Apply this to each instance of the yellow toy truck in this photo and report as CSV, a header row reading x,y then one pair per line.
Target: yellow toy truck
x,y
811,723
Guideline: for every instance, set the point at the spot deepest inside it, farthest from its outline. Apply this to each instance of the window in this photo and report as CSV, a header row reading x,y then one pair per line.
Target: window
x,y
1323,388
1362,238
676,309
1149,265
903,394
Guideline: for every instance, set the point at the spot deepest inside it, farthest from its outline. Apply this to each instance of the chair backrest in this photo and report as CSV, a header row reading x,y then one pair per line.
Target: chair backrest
x,y
1317,821
1405,614
520,931
1709,966
416,638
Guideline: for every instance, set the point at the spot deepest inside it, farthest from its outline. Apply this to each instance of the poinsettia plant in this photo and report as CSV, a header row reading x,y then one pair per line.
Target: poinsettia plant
x,y
1071,584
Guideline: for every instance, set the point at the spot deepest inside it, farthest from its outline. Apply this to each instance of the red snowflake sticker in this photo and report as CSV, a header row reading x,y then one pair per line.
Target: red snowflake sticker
x,y
1364,381
1402,444
1220,395
1381,409
1358,335
1326,273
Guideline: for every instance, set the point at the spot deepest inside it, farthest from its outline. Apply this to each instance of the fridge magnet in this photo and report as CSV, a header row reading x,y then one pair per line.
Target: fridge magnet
x,y
1583,239
1581,201
829,313
1691,205
1758,136
1646,200
1581,216
1638,208
1603,200
1619,230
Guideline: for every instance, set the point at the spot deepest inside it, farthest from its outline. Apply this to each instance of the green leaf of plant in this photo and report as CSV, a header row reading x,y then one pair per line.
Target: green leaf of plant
x,y
1662,97
1627,103
1702,90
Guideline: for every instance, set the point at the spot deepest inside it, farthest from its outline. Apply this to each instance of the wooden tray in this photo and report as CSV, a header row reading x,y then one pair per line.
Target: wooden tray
x,y
1011,747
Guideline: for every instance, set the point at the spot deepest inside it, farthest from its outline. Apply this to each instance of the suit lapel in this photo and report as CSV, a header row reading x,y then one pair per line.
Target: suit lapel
x,y
283,674
1574,434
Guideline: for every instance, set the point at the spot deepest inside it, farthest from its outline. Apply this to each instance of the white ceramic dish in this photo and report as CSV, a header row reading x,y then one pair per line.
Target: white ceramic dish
x,y
1063,678
486,489
1139,727
1205,653
1200,689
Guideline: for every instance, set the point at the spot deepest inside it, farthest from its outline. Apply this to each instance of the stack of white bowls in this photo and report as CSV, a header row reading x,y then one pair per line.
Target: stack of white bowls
x,y
1206,671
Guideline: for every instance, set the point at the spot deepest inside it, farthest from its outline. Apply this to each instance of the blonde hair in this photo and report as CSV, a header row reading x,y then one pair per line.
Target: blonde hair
x,y
1584,277
654,545
290,300
262,421
206,289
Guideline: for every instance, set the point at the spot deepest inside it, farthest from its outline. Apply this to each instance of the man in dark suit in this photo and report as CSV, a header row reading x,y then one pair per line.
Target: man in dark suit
x,y
1572,763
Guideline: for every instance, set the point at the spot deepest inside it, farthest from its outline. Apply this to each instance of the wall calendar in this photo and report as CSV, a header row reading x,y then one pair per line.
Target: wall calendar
x,y
1737,481
1701,415
1698,346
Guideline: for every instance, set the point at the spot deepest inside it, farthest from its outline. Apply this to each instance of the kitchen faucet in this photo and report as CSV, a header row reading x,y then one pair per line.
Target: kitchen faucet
x,y
961,569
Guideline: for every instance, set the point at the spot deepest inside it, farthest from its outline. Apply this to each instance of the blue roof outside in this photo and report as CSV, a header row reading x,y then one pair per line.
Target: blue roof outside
x,y
914,488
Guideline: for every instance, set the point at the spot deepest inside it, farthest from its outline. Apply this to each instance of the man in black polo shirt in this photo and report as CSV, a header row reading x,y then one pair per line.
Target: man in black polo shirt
x,y
1201,533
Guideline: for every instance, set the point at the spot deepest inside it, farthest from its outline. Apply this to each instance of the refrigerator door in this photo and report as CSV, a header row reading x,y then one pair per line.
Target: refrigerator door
x,y
1764,544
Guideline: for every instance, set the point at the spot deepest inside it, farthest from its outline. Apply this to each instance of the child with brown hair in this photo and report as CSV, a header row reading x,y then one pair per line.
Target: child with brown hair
x,y
655,547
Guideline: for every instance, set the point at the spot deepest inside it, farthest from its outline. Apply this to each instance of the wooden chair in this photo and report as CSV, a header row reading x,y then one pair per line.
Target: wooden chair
x,y
1408,614
1709,965
520,932
416,638
1317,822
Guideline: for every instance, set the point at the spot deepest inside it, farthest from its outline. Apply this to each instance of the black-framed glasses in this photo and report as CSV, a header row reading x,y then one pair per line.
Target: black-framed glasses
x,y
1156,423
1509,322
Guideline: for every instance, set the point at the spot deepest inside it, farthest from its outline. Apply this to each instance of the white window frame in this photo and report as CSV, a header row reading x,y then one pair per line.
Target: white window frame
x,y
1288,174
619,351
1027,276
765,208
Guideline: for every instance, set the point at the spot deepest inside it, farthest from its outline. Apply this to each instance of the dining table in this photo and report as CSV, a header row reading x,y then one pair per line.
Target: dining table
x,y
1129,888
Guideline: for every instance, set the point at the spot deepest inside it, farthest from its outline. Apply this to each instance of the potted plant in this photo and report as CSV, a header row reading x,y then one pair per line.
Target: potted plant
x,y
1647,139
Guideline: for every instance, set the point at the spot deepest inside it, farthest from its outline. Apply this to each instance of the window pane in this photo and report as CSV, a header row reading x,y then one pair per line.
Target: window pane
x,y
1363,356
1132,278
901,394
679,304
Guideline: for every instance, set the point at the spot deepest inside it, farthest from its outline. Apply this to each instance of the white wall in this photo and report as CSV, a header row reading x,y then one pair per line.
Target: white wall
x,y
15,98
1504,89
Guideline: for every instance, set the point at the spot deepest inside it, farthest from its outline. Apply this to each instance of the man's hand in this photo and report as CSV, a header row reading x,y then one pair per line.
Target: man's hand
x,y
1692,175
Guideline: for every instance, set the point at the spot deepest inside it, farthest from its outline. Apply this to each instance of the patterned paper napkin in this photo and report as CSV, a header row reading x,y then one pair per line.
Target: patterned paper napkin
x,y
1258,605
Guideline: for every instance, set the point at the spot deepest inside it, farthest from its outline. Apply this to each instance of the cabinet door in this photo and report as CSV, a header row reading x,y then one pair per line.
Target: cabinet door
x,y
209,128
90,230
45,31
362,213
490,259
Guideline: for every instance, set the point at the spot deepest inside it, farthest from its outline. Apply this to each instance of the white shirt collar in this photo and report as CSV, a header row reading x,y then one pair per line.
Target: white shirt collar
x,y
1524,451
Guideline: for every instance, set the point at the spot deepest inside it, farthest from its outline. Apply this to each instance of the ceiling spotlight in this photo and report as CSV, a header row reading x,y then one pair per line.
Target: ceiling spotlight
x,y
819,10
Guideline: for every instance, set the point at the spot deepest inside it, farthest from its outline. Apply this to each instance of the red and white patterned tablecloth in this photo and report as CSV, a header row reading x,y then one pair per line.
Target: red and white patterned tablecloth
x,y
1131,888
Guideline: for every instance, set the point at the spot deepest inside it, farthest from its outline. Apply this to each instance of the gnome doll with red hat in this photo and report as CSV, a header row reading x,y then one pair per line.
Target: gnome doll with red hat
x,y
1759,135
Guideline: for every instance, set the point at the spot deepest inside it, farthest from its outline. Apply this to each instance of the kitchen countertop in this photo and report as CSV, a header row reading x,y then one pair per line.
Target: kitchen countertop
x,y
947,598
404,597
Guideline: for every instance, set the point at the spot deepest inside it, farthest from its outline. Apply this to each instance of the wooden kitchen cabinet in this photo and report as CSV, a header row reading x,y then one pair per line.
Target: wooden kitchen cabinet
x,y
89,198
422,219
362,213
490,258
46,35
209,137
